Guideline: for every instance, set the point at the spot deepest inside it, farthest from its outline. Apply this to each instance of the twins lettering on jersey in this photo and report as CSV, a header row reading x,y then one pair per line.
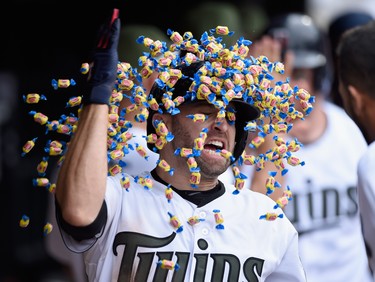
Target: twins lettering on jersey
x,y
323,209
252,267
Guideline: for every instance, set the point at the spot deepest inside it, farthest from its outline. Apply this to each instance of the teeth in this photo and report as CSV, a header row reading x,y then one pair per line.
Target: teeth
x,y
211,152
216,143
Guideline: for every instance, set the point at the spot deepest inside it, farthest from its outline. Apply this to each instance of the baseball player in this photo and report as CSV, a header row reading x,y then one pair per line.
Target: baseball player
x,y
324,208
355,55
177,222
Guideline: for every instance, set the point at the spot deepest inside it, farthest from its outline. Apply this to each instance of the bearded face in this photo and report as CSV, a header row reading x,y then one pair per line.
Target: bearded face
x,y
219,137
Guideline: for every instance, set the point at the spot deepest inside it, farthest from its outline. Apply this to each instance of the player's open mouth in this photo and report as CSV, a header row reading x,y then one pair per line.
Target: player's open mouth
x,y
214,147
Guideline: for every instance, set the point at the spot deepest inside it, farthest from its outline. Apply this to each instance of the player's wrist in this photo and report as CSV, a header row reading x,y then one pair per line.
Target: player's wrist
x,y
99,94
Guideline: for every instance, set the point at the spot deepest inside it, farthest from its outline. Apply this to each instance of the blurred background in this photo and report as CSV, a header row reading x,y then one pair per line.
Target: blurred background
x,y
45,40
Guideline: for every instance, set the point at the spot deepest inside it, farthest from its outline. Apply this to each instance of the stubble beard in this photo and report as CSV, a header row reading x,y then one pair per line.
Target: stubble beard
x,y
208,168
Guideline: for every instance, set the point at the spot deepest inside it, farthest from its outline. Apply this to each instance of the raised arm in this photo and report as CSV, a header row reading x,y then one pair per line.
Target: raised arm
x,y
81,181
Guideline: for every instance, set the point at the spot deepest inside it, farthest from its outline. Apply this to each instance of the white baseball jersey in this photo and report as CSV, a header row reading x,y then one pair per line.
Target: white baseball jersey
x,y
324,208
366,198
247,170
229,242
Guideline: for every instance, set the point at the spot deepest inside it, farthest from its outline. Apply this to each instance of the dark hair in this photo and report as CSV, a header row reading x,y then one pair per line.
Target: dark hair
x,y
337,27
345,22
356,57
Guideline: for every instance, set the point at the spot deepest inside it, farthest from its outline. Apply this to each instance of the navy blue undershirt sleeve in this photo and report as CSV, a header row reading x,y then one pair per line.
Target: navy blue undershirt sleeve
x,y
83,232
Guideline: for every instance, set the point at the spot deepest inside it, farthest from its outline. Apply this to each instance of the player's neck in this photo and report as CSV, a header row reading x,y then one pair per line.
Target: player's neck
x,y
181,181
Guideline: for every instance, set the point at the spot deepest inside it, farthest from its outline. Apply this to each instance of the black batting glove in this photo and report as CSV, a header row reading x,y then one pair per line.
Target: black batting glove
x,y
103,70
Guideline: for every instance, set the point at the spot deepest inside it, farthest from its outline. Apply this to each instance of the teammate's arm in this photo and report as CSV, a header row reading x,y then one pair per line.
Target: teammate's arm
x,y
81,181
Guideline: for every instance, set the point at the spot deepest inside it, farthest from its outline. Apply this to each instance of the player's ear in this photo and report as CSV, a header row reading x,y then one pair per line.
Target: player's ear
x,y
357,98
165,118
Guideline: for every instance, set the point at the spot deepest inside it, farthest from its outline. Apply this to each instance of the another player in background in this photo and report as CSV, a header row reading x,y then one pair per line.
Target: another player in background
x,y
324,208
336,28
207,230
355,54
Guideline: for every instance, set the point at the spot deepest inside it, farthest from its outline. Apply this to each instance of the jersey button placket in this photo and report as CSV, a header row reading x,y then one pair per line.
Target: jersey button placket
x,y
202,227
205,231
